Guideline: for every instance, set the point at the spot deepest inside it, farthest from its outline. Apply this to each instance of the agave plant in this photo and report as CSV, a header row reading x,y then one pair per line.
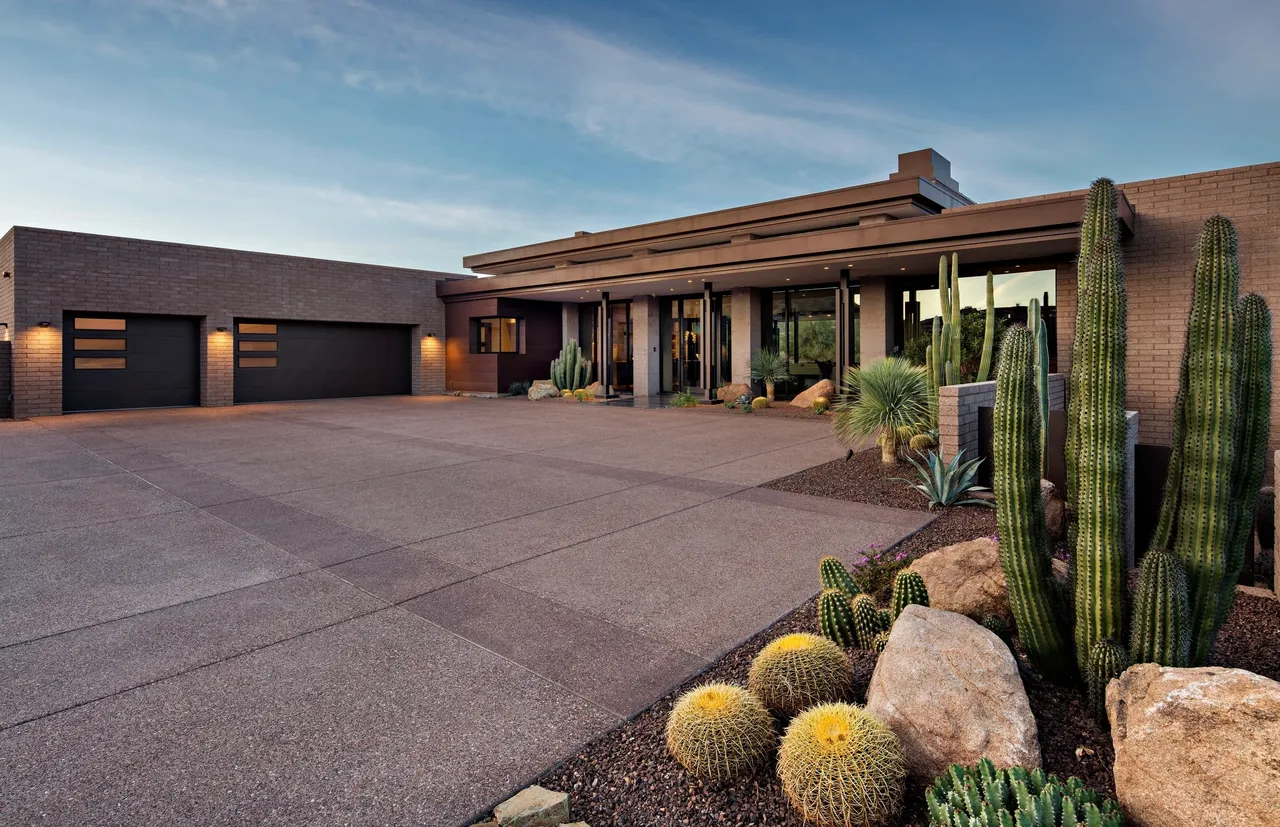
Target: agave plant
x,y
944,483
770,366
888,398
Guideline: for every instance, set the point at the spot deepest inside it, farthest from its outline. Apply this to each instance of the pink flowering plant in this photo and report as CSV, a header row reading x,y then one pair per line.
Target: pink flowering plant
x,y
875,568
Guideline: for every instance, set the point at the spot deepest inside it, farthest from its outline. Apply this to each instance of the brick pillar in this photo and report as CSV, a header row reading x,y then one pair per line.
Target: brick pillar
x,y
37,361
217,361
429,378
745,332
876,318
6,377
646,352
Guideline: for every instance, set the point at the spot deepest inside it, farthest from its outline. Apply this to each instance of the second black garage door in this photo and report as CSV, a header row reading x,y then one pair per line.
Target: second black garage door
x,y
278,360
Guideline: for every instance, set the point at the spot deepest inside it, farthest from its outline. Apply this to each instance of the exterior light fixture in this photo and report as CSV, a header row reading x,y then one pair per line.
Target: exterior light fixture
x,y
43,324
788,279
8,275
902,268
431,335
826,268
221,329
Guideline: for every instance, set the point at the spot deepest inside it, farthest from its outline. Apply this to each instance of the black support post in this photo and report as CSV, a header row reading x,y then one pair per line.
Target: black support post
x,y
844,339
606,346
709,341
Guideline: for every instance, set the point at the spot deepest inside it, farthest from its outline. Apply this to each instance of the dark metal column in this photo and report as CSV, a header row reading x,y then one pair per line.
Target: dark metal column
x,y
844,354
708,342
606,346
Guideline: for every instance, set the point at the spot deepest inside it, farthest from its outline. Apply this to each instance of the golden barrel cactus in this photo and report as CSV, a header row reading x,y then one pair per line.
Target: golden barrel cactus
x,y
840,767
799,670
719,730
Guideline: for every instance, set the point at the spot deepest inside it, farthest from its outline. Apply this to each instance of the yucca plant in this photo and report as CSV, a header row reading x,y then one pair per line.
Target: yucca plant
x,y
944,483
888,398
770,366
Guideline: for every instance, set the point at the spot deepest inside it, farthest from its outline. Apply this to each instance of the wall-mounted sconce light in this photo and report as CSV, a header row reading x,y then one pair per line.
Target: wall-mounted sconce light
x,y
221,329
43,324
431,335
8,275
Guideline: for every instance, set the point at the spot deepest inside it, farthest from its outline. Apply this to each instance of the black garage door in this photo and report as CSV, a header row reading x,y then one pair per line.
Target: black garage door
x,y
278,360
113,361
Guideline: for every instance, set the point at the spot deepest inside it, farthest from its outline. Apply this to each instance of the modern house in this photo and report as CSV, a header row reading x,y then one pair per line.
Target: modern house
x,y
834,279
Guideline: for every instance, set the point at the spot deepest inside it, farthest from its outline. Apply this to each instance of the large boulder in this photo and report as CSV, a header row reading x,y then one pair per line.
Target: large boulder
x,y
543,389
950,690
966,578
730,393
1196,746
822,387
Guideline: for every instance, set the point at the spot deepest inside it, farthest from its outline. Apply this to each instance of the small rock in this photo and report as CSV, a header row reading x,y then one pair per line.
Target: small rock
x,y
730,393
543,389
1055,510
988,496
596,390
533,807
1196,746
966,578
950,690
1256,591
822,387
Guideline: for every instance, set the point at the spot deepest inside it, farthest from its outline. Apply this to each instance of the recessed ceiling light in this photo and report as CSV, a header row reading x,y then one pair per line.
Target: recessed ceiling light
x,y
691,281
1017,265
902,268
788,279
826,268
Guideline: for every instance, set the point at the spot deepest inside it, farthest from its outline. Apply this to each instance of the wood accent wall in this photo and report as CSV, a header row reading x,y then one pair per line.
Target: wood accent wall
x,y
494,372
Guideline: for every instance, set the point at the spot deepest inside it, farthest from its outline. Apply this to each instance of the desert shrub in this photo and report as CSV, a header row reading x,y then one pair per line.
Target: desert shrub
x,y
518,388
877,567
889,399
947,483
684,399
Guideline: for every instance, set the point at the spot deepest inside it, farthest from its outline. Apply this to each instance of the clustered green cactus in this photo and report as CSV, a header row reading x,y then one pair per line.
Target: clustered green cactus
x,y
1161,622
835,618
881,641
799,670
570,370
835,576
720,731
1107,661
841,766
1221,425
908,589
983,796
866,620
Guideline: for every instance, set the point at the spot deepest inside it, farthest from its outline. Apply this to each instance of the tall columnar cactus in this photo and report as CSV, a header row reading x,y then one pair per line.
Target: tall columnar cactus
x,y
866,620
954,355
1107,660
1101,220
835,576
1161,617
1254,430
1035,321
1100,552
835,618
1196,515
570,370
908,589
1024,554
989,334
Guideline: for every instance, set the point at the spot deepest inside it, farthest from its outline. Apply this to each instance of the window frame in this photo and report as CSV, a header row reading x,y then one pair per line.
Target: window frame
x,y
481,347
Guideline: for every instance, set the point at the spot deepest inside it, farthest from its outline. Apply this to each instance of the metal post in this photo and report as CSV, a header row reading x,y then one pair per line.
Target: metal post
x,y
708,341
844,358
606,347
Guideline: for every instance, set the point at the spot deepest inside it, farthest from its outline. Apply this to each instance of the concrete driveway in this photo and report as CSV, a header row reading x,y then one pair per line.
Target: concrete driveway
x,y
377,611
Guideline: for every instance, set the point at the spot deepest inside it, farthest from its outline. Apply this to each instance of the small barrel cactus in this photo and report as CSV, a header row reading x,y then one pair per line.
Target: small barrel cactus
x,y
841,766
820,404
720,731
1161,612
983,795
566,393
908,589
881,641
866,620
835,576
760,402
1107,660
923,443
799,670
835,618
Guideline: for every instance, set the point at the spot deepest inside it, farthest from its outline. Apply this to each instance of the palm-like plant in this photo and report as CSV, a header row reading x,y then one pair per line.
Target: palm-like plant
x,y
890,398
770,366
944,483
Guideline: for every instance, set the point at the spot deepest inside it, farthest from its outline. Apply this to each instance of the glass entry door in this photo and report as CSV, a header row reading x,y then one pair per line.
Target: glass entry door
x,y
682,345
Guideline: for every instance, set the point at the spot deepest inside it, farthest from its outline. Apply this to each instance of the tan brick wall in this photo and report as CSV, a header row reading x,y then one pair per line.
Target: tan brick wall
x,y
1159,266
59,271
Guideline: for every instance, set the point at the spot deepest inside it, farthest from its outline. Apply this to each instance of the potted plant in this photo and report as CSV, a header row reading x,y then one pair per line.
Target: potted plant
x,y
769,366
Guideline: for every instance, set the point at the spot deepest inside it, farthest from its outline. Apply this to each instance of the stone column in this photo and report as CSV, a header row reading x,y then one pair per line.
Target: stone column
x,y
877,318
746,332
645,351
568,321
217,361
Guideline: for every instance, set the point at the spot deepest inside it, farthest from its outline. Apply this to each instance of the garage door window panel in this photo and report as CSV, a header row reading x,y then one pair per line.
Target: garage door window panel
x,y
99,344
92,323
100,363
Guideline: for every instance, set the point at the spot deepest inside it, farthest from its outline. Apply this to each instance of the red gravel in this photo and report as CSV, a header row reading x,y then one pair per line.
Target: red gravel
x,y
778,410
863,478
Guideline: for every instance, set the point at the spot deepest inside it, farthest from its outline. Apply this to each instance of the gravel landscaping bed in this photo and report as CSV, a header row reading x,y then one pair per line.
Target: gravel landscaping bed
x,y
863,478
778,410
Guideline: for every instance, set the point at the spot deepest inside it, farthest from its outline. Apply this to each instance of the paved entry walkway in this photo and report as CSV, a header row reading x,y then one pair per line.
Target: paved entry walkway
x,y
374,612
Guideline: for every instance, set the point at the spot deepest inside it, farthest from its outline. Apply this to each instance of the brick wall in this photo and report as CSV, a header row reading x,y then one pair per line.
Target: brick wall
x,y
57,271
6,380
958,412
1159,266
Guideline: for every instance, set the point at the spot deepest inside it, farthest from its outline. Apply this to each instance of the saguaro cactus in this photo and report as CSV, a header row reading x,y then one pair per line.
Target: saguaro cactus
x,y
1024,552
1196,515
1100,462
989,335
1254,430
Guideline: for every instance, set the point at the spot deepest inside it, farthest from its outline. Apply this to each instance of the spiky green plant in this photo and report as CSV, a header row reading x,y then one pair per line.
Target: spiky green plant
x,y
835,618
799,670
983,796
888,398
946,483
720,730
1107,661
866,620
835,576
1161,620
881,641
1100,553
908,589
997,626
884,620
1196,514
570,371
923,442
770,366
1024,554
989,336
840,766
1035,321
1254,430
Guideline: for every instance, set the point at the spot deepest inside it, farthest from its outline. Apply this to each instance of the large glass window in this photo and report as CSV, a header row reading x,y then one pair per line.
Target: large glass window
x,y
494,334
804,328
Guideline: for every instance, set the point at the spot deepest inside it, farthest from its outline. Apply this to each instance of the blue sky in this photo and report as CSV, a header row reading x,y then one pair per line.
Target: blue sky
x,y
413,132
